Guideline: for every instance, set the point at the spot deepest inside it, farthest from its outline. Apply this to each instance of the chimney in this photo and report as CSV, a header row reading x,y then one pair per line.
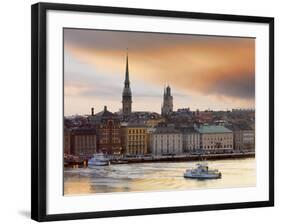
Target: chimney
x,y
105,108
92,111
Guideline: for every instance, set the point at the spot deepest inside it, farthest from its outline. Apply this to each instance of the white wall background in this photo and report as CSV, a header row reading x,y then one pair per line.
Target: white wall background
x,y
15,110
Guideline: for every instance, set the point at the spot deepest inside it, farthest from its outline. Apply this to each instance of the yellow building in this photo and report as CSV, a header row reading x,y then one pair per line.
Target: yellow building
x,y
134,139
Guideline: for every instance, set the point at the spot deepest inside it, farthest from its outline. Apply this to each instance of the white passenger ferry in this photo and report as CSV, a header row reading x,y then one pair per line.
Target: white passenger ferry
x,y
202,171
98,159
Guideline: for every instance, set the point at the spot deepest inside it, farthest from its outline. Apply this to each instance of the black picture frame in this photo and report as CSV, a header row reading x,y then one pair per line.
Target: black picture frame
x,y
39,122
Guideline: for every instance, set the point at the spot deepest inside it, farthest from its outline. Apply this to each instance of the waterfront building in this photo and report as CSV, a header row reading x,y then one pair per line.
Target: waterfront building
x,y
243,137
108,132
82,141
66,141
127,94
166,140
190,138
215,138
134,139
167,106
150,131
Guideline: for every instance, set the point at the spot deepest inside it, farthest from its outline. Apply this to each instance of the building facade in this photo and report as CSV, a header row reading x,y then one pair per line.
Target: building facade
x,y
127,94
134,139
150,131
108,132
166,140
215,138
167,106
66,141
190,138
82,141
243,137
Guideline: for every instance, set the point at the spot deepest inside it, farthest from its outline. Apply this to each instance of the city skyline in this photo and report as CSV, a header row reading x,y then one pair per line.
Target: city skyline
x,y
204,72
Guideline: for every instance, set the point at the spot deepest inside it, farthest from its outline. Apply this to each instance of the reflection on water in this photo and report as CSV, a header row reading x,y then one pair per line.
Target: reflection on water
x,y
156,176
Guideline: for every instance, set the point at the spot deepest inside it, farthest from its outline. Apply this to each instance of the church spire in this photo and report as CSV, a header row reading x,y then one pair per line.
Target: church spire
x,y
127,94
127,80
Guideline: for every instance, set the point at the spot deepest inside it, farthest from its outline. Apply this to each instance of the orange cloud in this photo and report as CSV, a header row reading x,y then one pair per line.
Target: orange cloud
x,y
219,67
192,67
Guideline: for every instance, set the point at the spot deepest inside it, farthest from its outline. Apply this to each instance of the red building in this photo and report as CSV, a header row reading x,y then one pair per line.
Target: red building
x,y
108,132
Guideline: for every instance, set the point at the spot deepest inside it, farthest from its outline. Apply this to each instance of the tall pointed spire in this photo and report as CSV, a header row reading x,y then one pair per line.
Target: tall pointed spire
x,y
127,94
127,80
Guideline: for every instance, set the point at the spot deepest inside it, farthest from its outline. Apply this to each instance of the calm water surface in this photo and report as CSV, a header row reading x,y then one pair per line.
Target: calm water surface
x,y
156,176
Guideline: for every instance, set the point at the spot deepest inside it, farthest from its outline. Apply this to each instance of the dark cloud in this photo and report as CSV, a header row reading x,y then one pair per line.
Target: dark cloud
x,y
121,40
242,86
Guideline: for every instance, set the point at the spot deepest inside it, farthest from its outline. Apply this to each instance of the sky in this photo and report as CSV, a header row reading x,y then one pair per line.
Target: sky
x,y
204,72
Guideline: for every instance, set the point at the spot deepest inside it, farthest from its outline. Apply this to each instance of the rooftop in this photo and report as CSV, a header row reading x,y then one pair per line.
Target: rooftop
x,y
188,129
209,129
238,127
105,113
134,125
166,130
83,130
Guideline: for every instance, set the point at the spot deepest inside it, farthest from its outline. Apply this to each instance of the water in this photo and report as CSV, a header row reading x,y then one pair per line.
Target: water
x,y
156,177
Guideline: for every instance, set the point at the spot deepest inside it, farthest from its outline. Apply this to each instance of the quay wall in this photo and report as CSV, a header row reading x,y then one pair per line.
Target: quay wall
x,y
176,158
192,158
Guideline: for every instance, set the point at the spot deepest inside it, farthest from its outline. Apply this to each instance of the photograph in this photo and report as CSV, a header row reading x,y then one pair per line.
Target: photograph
x,y
156,112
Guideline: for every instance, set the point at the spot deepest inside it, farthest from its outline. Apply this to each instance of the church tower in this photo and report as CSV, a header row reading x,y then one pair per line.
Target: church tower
x,y
167,106
127,94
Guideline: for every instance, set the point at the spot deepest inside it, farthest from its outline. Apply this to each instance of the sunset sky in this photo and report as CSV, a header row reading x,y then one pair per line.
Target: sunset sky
x,y
204,72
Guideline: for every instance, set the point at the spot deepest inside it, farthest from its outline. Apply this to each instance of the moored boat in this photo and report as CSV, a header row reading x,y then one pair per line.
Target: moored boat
x,y
98,159
119,162
202,171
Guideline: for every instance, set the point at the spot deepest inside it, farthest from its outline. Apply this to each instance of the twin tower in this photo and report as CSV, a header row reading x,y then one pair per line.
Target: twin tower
x,y
167,106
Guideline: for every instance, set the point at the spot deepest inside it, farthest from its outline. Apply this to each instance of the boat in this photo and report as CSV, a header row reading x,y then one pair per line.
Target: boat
x,y
202,171
119,162
98,159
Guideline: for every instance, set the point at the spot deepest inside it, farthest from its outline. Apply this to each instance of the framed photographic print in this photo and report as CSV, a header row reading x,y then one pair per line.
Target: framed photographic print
x,y
139,111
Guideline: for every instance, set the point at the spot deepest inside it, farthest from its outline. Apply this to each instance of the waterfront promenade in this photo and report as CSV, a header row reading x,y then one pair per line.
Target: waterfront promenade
x,y
189,157
167,158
